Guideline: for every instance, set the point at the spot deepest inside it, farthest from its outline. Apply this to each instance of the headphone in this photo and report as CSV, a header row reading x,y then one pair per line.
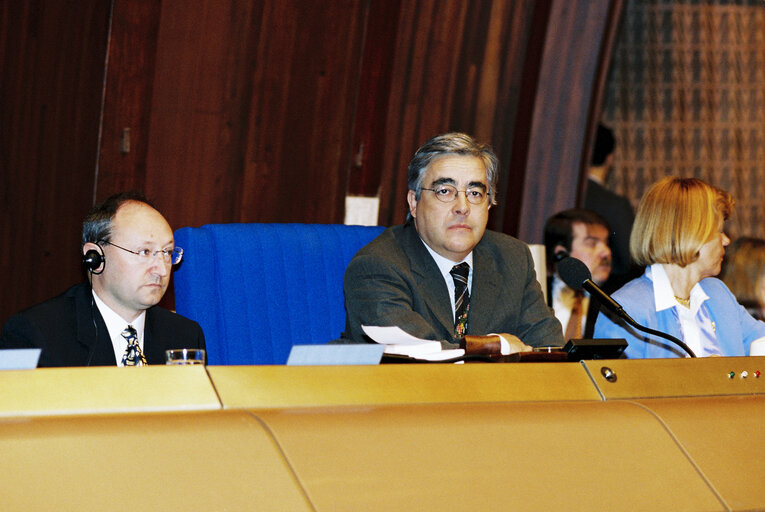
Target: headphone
x,y
92,259
559,255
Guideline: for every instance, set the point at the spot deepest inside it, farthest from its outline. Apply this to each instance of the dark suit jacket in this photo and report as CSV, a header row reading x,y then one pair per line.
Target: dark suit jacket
x,y
394,280
617,210
71,332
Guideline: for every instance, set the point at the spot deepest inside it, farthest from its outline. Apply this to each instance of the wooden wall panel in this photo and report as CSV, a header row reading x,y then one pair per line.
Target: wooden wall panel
x,y
52,58
127,98
198,106
458,66
252,110
301,167
255,110
376,76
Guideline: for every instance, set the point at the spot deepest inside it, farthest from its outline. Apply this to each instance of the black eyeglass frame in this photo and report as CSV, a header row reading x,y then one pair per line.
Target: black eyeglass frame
x,y
174,256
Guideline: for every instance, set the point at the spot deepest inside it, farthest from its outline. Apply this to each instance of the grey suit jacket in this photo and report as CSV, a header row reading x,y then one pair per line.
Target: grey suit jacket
x,y
394,280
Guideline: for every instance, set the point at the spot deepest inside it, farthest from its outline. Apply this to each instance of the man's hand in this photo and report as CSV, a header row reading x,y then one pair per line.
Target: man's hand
x,y
515,344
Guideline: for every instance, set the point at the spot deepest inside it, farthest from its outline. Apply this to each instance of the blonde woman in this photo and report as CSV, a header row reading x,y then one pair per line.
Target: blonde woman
x,y
678,235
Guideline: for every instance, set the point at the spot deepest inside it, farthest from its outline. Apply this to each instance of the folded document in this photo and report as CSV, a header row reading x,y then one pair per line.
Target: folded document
x,y
399,342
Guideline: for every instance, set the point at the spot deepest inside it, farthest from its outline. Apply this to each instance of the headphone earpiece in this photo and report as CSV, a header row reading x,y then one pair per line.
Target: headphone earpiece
x,y
93,259
560,254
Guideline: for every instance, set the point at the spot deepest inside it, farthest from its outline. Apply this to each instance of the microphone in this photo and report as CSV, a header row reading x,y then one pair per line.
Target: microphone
x,y
577,276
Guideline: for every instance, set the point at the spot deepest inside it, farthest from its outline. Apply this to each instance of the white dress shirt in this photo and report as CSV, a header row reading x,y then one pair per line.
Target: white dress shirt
x,y
445,265
115,324
692,320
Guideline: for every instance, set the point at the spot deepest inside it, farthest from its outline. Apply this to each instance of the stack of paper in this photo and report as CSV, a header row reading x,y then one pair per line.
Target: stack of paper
x,y
398,342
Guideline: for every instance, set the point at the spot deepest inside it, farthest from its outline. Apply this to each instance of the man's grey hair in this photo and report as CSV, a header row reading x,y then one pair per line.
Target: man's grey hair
x,y
452,144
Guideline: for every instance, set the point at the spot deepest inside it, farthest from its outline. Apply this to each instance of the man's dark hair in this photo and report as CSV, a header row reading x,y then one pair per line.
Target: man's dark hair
x,y
604,145
97,226
559,230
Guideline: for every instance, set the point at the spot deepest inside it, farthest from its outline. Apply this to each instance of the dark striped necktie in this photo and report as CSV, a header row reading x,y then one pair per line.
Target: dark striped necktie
x,y
133,355
461,298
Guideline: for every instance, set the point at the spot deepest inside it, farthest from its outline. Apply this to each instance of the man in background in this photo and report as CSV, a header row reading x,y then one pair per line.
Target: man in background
x,y
113,319
581,234
442,275
609,205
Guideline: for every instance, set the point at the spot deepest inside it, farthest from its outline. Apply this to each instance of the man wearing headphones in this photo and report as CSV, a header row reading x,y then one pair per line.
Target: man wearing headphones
x,y
581,234
128,252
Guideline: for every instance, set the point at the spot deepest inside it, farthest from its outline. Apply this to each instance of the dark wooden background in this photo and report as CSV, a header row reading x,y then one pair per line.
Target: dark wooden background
x,y
275,110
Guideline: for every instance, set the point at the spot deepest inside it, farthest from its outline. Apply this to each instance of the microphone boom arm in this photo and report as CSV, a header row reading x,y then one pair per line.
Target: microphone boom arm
x,y
619,310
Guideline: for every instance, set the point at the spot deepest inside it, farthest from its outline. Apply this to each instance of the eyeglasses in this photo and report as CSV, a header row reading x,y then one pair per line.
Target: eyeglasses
x,y
174,255
448,193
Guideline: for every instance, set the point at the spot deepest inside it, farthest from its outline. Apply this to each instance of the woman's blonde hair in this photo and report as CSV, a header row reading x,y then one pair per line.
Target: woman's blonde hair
x,y
744,269
676,216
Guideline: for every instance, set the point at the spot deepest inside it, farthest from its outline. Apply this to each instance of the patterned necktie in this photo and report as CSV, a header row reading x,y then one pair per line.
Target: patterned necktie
x,y
574,326
461,298
133,355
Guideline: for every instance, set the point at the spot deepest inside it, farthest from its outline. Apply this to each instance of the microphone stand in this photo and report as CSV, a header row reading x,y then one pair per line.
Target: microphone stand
x,y
617,308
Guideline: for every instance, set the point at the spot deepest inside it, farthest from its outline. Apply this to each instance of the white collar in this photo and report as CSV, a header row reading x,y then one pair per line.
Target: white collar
x,y
445,265
596,179
115,323
664,296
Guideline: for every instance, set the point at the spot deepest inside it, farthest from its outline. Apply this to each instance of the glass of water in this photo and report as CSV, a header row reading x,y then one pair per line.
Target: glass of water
x,y
185,356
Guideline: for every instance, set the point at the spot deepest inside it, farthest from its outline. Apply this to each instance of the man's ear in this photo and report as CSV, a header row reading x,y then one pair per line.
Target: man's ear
x,y
93,258
90,246
559,253
411,199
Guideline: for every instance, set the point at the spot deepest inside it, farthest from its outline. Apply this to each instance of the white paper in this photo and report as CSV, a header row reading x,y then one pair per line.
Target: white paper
x,y
19,358
361,211
398,341
393,336
441,355
757,348
315,355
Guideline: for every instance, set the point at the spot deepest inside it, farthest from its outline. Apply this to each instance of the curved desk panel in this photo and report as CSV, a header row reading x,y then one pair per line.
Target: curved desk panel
x,y
177,461
724,438
519,456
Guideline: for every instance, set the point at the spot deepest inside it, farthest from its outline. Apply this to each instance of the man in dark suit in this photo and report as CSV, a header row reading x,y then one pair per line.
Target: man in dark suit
x,y
406,276
609,205
581,234
128,250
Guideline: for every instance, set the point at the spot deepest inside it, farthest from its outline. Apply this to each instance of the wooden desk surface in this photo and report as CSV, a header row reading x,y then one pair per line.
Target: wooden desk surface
x,y
665,378
267,387
56,391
